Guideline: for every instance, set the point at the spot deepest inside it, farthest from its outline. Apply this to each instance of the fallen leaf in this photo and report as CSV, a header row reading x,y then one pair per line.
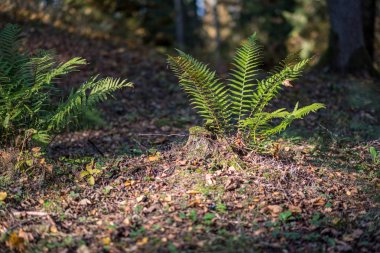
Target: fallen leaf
x,y
26,236
84,202
153,158
127,221
275,209
295,209
287,83
53,229
209,179
141,198
3,196
129,183
49,168
36,149
167,198
16,242
106,241
142,242
91,180
357,233
232,184
259,231
83,249
318,201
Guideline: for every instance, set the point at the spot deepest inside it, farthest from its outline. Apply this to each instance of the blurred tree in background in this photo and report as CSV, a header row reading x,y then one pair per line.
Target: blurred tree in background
x,y
267,17
351,40
216,26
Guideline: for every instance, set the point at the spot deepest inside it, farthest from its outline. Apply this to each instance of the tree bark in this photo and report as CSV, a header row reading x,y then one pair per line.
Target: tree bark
x,y
347,51
215,14
179,24
368,9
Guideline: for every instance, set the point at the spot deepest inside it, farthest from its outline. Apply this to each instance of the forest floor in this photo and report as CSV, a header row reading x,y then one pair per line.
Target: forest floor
x,y
316,191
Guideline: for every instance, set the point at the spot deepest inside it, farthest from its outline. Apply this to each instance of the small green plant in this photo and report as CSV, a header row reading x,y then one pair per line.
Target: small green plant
x,y
28,161
285,216
238,107
29,101
90,173
208,218
374,155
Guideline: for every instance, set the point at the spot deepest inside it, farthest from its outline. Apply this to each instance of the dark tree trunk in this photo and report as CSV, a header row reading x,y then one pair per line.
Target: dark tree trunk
x,y
368,9
179,23
215,14
347,51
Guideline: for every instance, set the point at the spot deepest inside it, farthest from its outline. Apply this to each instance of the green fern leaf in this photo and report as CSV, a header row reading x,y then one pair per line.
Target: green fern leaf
x,y
207,94
246,67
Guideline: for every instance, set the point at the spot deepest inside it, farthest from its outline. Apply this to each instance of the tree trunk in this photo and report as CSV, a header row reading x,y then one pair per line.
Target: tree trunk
x,y
347,51
368,9
179,24
215,14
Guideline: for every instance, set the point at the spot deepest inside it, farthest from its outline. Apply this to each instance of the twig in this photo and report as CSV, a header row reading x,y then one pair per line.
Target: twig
x,y
141,134
95,147
35,213
138,143
31,213
51,141
19,224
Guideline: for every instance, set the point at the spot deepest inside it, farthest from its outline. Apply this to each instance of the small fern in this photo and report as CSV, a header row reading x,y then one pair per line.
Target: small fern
x,y
238,107
206,91
27,104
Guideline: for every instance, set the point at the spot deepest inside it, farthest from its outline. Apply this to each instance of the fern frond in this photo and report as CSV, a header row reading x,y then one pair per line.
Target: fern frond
x,y
245,69
240,105
262,121
9,42
268,88
290,117
89,94
26,87
207,94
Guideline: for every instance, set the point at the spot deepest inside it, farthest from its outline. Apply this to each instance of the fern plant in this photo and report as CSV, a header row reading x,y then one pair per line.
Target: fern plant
x,y
238,107
27,105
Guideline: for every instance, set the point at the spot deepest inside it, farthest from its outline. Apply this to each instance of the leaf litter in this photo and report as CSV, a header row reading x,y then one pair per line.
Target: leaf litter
x,y
150,201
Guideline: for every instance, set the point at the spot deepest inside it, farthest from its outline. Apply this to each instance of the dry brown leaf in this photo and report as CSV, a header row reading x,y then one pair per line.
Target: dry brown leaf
x,y
259,231
153,158
141,198
36,149
287,83
195,202
85,202
142,242
167,198
53,229
129,183
106,241
275,209
232,184
209,179
295,209
83,249
318,201
15,242
26,236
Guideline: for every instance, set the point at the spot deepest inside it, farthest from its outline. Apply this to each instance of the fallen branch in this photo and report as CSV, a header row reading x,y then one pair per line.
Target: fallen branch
x,y
142,134
31,213
95,147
